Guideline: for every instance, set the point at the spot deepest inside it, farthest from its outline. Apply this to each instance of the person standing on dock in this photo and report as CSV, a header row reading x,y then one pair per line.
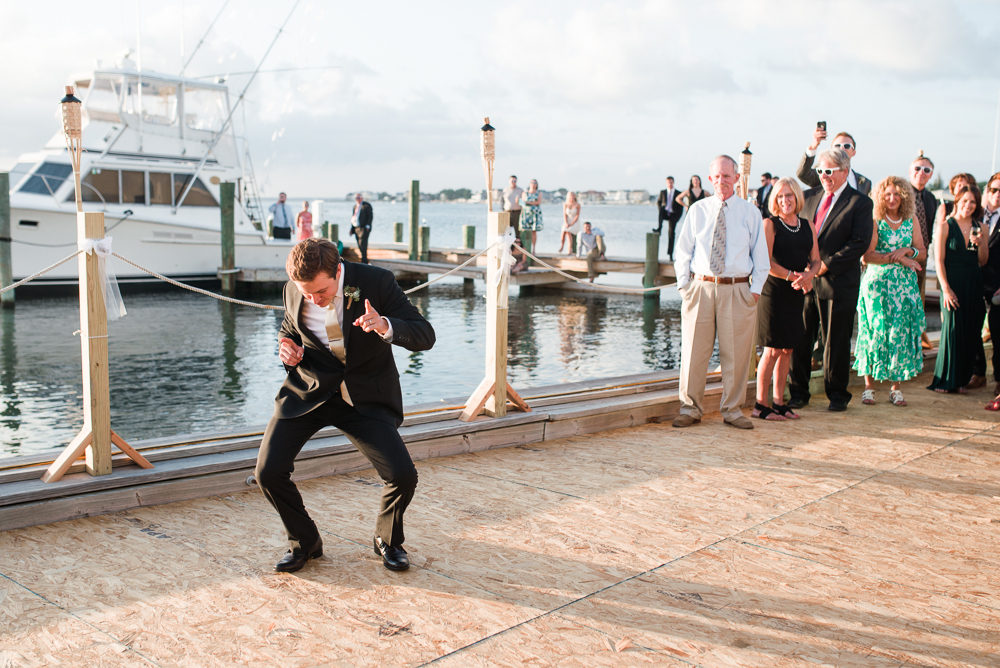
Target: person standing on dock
x,y
842,141
842,217
335,343
925,206
361,224
722,263
281,217
512,202
764,193
304,223
670,211
991,272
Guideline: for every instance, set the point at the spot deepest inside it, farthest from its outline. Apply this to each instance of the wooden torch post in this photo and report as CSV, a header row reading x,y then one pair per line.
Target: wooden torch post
x,y
96,436
493,392
745,160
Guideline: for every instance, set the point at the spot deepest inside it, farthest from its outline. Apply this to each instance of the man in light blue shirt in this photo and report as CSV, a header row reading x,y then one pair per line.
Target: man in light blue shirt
x,y
721,263
281,217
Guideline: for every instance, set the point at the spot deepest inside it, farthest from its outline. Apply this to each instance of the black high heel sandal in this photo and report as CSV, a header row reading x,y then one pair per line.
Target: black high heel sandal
x,y
763,411
785,412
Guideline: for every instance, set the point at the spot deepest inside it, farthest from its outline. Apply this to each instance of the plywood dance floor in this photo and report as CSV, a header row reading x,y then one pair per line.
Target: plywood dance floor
x,y
868,538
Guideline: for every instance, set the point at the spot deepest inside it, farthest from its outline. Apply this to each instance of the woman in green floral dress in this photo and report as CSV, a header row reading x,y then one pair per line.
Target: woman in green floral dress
x,y
531,214
890,311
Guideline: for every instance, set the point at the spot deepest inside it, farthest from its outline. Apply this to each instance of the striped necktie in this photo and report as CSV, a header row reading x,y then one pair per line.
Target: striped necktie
x,y
336,336
718,259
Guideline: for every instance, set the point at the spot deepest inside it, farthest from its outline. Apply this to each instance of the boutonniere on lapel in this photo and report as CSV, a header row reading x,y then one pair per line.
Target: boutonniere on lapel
x,y
352,294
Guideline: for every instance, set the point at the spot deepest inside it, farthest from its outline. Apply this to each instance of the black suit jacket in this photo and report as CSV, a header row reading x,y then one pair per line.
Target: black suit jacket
x,y
930,204
808,175
370,373
991,271
365,216
844,238
762,200
661,206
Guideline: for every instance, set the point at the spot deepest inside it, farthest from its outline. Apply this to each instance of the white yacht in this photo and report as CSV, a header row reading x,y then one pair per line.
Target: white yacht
x,y
156,147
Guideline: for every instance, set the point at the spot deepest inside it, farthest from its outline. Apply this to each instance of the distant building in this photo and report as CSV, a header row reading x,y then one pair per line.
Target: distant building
x,y
638,197
478,196
591,196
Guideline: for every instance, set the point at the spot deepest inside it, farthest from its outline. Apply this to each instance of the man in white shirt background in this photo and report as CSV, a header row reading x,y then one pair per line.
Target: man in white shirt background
x,y
721,264
512,202
282,218
843,141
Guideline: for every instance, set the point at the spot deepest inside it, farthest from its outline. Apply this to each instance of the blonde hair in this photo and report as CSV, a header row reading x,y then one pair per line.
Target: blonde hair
x,y
800,201
905,196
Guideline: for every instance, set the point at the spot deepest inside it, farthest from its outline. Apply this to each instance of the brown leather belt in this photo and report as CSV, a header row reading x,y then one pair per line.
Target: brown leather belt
x,y
722,280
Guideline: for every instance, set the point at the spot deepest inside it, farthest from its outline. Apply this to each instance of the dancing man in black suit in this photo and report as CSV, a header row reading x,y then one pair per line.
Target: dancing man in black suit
x,y
670,211
361,224
843,220
340,320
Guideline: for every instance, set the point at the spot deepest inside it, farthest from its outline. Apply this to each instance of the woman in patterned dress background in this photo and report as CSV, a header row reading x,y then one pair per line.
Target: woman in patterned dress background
x,y
890,312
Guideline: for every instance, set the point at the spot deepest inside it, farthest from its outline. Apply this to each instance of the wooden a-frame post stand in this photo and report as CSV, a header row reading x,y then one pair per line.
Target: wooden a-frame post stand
x,y
492,394
96,435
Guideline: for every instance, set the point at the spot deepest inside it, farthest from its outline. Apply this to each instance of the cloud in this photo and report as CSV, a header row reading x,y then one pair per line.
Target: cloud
x,y
639,53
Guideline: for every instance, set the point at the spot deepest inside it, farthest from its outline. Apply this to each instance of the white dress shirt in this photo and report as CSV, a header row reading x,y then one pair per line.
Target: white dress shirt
x,y
282,214
314,316
746,243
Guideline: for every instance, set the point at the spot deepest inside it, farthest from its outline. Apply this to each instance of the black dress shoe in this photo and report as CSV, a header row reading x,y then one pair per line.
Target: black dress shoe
x,y
837,406
394,558
797,402
295,559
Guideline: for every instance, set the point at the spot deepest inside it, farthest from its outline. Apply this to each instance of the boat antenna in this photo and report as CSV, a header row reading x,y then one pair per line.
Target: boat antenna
x,y
229,118
202,40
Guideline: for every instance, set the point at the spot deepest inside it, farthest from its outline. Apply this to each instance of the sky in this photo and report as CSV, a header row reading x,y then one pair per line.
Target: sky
x,y
583,95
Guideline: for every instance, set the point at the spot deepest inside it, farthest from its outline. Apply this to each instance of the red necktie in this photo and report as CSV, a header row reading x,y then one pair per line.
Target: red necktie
x,y
824,208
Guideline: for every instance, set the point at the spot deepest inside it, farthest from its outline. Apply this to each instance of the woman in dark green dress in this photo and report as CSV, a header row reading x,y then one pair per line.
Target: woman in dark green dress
x,y
960,254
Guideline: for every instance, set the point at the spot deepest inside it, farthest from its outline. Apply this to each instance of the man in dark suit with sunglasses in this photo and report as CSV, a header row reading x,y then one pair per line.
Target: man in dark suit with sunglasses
x,y
846,143
924,209
842,217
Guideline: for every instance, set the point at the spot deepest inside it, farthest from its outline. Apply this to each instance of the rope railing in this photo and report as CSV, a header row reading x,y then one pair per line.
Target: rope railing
x,y
445,275
43,271
606,288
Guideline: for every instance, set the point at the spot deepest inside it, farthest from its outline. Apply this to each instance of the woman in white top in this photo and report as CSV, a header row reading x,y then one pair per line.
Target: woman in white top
x,y
571,223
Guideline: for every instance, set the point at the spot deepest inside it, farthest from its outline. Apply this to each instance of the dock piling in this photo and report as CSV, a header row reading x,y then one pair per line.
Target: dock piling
x,y
227,208
6,266
652,264
334,232
468,236
425,243
397,232
526,242
414,219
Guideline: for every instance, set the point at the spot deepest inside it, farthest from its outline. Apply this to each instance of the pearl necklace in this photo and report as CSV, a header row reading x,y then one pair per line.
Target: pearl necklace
x,y
893,222
793,230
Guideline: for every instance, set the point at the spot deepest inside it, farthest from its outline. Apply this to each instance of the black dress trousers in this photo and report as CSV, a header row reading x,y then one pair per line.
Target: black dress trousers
x,y
378,441
993,322
833,321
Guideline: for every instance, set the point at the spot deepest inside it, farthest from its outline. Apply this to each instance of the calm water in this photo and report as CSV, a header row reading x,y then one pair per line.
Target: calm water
x,y
182,363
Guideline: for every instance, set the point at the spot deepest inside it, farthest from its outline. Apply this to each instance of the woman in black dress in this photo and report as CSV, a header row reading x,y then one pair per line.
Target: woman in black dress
x,y
694,193
794,262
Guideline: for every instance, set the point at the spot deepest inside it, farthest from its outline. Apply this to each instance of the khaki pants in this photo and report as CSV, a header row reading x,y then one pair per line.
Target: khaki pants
x,y
594,255
710,310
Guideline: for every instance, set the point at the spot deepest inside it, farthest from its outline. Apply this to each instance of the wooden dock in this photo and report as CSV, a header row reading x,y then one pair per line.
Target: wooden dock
x,y
395,258
859,539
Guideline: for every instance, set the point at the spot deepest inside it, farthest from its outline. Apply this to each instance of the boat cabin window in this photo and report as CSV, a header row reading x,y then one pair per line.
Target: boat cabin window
x,y
159,101
133,187
204,108
20,170
199,195
159,189
47,178
101,185
102,103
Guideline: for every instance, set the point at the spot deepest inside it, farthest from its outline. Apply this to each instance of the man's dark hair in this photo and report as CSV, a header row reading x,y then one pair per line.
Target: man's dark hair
x,y
280,194
512,176
671,178
311,257
848,135
766,175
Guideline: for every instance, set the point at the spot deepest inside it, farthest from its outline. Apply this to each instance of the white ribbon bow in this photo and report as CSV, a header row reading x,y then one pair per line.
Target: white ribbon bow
x,y
506,240
113,303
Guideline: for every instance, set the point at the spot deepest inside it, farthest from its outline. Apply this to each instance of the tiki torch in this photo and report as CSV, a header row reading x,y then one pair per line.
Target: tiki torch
x,y
487,147
72,118
745,171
